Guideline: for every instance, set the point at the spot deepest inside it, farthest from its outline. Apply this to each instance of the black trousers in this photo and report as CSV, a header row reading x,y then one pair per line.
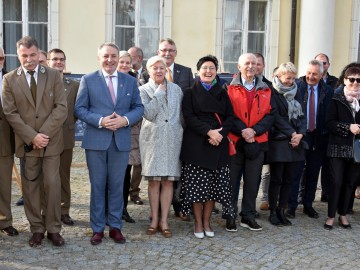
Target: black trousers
x,y
282,175
344,174
251,170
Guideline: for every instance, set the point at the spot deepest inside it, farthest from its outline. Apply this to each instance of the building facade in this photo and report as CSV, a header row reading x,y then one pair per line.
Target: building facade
x,y
282,30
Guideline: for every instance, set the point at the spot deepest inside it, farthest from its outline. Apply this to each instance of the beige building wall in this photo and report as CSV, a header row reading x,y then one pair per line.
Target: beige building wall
x,y
193,30
81,31
342,33
284,32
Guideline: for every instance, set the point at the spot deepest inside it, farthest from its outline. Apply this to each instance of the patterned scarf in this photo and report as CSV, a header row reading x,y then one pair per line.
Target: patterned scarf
x,y
294,107
208,86
353,98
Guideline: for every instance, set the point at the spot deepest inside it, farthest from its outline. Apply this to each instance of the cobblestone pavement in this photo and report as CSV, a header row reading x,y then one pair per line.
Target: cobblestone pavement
x,y
305,245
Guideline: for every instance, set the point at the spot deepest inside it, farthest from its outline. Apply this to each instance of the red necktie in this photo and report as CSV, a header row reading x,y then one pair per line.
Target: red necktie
x,y
111,89
312,110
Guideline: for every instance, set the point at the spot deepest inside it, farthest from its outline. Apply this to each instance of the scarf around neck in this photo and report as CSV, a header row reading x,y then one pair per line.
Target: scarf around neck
x,y
294,107
353,98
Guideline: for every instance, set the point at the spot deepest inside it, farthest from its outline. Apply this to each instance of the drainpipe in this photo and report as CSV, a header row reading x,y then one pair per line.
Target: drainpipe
x,y
293,31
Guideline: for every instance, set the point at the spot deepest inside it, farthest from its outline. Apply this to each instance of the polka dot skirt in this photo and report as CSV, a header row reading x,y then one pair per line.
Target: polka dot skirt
x,y
201,185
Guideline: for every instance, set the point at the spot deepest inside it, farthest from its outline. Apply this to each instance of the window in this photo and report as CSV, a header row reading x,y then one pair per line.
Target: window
x,y
137,23
20,18
244,23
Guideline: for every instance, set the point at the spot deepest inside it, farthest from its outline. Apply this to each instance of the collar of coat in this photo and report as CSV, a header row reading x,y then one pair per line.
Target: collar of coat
x,y
20,70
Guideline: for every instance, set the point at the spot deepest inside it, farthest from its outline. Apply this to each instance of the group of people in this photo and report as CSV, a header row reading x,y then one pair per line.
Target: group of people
x,y
192,139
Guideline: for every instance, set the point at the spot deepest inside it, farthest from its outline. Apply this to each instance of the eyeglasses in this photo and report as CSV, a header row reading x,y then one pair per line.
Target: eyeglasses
x,y
2,58
208,68
352,80
55,59
169,51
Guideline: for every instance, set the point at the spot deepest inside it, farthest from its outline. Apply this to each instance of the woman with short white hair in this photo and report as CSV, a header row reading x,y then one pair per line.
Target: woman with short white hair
x,y
160,141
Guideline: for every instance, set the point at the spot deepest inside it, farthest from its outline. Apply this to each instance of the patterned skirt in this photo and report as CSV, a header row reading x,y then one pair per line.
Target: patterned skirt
x,y
199,185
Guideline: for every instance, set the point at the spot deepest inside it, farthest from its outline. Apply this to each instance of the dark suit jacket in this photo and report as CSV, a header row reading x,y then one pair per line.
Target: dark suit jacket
x,y
71,89
94,101
183,76
324,96
46,117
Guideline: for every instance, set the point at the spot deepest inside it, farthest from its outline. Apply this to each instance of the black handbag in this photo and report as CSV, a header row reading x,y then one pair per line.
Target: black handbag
x,y
356,150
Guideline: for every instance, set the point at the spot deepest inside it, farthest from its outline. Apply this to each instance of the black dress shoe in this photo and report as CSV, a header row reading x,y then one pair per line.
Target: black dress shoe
x,y
10,231
310,212
126,216
328,227
66,219
290,213
56,239
20,202
36,239
137,200
345,226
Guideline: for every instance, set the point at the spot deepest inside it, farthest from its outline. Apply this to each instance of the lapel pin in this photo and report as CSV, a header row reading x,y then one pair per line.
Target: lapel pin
x,y
18,72
42,69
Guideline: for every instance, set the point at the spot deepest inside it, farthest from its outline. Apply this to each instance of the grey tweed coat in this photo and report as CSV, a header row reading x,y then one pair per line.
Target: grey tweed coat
x,y
161,131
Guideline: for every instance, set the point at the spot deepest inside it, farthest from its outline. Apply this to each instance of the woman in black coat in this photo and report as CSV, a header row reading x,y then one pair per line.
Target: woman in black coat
x,y
286,147
208,116
343,123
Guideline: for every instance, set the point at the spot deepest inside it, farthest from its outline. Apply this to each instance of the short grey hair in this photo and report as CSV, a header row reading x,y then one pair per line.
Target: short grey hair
x,y
124,54
152,60
243,56
285,68
108,44
315,62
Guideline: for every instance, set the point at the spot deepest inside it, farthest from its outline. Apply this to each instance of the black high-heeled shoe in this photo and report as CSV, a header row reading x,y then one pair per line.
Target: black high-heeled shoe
x,y
328,226
345,226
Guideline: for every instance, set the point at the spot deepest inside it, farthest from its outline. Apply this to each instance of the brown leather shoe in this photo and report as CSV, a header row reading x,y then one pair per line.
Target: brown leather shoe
x,y
117,236
66,219
184,217
264,206
137,200
96,238
56,239
10,231
36,239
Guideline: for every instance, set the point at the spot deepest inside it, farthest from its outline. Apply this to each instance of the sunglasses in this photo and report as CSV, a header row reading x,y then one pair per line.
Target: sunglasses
x,y
352,80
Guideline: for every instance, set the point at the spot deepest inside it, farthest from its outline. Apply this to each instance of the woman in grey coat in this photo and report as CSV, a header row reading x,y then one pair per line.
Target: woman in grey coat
x,y
160,141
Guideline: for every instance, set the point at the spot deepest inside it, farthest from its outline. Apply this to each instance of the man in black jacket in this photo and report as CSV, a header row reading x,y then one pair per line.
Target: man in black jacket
x,y
316,95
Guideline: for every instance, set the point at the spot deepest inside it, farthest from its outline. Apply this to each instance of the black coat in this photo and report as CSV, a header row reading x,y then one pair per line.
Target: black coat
x,y
280,134
338,122
199,107
324,96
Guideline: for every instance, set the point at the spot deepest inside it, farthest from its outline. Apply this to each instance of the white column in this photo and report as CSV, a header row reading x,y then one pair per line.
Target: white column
x,y
316,31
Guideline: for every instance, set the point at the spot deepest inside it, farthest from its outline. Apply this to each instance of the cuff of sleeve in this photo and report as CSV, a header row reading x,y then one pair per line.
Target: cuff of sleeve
x,y
101,118
127,120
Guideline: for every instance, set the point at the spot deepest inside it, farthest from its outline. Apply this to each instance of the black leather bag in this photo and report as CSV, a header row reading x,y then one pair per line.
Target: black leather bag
x,y
356,150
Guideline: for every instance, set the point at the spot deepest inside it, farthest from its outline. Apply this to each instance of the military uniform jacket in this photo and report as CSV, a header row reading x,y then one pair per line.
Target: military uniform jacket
x,y
71,90
46,117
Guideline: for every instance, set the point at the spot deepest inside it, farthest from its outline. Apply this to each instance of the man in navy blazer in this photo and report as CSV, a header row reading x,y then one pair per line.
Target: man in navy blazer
x,y
109,103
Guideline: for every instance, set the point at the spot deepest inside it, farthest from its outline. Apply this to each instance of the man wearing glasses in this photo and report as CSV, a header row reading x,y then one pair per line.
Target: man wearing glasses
x,y
57,60
176,73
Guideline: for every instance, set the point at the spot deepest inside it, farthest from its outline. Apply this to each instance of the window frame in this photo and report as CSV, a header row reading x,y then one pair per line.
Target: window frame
x,y
52,24
220,48
111,21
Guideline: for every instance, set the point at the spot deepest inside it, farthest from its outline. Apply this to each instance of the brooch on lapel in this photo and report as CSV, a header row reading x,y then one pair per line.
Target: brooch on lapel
x,y
67,81
18,72
42,69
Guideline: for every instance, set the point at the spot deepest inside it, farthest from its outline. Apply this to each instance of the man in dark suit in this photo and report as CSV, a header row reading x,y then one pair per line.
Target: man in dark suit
x,y
35,106
6,164
57,60
332,82
109,103
312,90
176,73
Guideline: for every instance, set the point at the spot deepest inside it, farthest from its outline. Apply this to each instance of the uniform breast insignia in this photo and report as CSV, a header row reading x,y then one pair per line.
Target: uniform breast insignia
x,y
42,69
18,72
67,81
